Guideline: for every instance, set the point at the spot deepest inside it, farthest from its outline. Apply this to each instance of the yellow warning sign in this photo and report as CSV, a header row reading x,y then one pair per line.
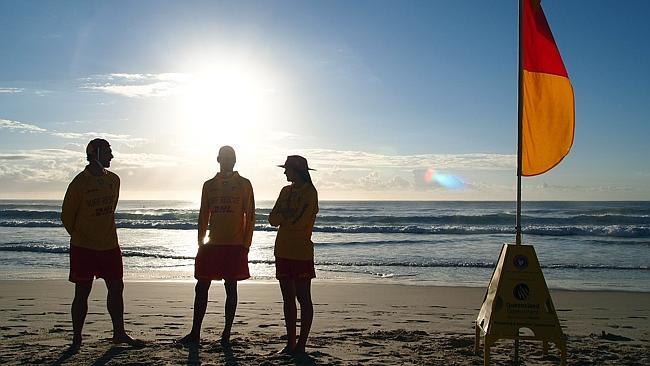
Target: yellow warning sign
x,y
517,300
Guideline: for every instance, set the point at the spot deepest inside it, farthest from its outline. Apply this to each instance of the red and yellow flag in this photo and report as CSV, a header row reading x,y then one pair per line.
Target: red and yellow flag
x,y
548,105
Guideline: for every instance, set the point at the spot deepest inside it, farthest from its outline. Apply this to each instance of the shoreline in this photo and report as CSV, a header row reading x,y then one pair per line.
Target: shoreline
x,y
352,281
354,323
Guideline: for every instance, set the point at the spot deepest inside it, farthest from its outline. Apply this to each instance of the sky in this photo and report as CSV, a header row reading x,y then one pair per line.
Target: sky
x,y
388,100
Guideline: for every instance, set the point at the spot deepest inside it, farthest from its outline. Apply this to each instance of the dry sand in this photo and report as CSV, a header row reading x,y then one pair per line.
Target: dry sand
x,y
354,324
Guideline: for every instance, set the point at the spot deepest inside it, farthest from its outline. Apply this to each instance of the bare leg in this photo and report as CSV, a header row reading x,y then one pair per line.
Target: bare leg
x,y
231,308
115,305
200,306
79,310
288,289
303,293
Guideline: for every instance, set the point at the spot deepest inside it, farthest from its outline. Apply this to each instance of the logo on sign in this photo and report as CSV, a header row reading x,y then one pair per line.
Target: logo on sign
x,y
520,262
521,291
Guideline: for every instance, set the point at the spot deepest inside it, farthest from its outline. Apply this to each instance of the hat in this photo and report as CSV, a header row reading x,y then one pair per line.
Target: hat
x,y
93,145
296,162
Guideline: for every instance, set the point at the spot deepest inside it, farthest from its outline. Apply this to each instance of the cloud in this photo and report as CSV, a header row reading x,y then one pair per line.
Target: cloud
x,y
11,90
13,157
136,85
577,188
21,127
363,160
16,126
124,139
60,165
43,165
148,161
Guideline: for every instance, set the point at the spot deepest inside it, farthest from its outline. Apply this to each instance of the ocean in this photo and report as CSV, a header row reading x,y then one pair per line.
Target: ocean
x,y
580,245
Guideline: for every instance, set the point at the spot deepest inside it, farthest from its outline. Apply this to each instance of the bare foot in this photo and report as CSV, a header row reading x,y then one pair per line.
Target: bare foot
x,y
76,342
74,347
224,342
299,351
287,350
190,339
126,339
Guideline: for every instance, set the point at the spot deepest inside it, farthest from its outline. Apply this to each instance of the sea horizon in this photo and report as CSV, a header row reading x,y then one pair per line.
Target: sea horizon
x,y
581,245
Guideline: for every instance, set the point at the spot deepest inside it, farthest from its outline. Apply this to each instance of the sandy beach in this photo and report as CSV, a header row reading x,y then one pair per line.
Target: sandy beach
x,y
355,324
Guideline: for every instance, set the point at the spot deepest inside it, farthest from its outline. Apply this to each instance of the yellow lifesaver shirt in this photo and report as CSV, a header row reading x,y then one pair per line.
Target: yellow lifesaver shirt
x,y
228,210
88,211
295,213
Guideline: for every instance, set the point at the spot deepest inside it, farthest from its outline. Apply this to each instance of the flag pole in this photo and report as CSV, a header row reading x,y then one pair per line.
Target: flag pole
x,y
520,110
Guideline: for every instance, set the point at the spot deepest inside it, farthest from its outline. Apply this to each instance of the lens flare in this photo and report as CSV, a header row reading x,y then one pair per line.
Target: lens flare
x,y
448,181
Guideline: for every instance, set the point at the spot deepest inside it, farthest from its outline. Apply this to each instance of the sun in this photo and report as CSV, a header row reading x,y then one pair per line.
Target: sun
x,y
224,104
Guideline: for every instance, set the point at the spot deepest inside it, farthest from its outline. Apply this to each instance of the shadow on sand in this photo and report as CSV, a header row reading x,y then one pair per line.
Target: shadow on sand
x,y
108,355
69,352
194,357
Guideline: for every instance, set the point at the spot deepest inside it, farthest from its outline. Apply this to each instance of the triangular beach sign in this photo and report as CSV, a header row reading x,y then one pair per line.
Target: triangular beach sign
x,y
517,298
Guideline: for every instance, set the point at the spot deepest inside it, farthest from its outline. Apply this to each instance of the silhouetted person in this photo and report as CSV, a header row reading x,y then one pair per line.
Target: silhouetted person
x,y
88,214
228,209
295,212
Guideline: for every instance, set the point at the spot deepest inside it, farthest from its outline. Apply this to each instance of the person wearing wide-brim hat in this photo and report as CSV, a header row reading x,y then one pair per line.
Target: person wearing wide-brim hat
x,y
295,213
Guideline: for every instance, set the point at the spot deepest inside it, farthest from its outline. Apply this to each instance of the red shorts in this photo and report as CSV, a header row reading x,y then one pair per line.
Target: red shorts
x,y
293,269
86,264
221,262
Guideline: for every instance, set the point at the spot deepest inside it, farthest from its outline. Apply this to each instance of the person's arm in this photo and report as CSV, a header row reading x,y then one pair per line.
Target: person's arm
x,y
70,207
306,214
276,216
204,215
117,194
249,211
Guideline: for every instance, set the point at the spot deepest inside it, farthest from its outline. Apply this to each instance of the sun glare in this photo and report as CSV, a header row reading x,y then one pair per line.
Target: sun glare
x,y
224,105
